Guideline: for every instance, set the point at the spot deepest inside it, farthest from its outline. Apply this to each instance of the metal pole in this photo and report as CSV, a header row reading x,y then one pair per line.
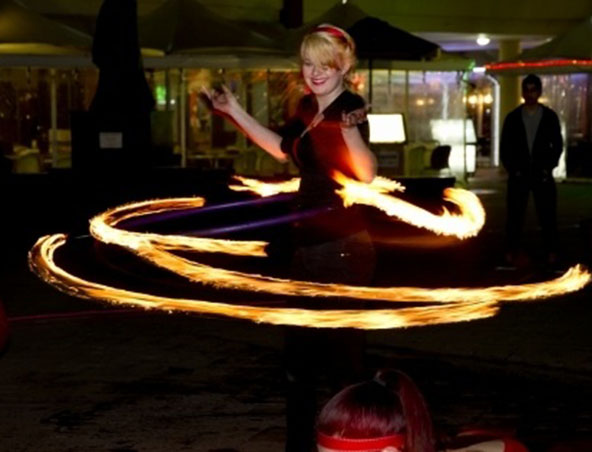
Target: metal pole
x,y
406,99
370,83
464,129
509,86
167,89
495,122
182,119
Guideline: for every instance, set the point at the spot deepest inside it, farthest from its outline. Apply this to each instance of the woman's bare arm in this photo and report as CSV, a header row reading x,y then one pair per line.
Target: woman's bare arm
x,y
225,102
363,160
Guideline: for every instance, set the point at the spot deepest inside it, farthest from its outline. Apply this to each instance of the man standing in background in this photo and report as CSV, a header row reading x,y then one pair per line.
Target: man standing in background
x,y
530,148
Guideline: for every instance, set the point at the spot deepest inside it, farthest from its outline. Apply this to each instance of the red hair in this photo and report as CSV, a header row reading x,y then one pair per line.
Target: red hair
x,y
390,405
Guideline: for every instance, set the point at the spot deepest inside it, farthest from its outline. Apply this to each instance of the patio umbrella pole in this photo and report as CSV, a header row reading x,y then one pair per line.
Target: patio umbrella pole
x,y
465,166
370,81
406,105
53,142
167,91
182,108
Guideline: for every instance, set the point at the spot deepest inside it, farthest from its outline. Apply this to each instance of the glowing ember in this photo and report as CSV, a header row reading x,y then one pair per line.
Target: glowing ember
x,y
441,305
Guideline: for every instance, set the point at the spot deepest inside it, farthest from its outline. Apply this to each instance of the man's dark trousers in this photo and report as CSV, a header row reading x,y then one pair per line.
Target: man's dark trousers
x,y
545,201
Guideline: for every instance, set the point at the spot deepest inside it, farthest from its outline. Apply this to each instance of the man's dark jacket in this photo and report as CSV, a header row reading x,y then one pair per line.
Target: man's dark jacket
x,y
546,148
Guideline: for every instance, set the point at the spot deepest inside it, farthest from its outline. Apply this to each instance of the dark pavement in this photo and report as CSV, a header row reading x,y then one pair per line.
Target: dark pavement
x,y
84,376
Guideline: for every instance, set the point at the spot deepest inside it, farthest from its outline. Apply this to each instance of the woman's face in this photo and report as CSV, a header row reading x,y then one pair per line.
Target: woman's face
x,y
321,79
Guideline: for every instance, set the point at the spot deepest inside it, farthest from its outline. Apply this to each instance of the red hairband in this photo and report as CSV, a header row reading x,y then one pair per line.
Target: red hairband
x,y
333,31
332,442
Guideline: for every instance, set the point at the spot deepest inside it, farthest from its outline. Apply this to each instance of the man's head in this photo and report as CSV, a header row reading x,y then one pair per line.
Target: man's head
x,y
531,89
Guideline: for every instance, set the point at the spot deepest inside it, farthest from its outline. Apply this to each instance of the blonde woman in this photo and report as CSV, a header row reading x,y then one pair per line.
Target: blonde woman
x,y
328,134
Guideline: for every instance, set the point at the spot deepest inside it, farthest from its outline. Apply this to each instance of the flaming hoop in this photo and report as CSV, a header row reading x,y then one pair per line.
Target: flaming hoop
x,y
431,306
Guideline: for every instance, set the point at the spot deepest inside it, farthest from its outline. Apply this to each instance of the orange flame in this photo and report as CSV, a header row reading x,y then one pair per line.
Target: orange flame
x,y
466,224
102,228
266,188
156,249
41,259
442,305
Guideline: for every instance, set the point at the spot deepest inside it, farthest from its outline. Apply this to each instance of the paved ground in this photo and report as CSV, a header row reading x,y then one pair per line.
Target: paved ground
x,y
82,376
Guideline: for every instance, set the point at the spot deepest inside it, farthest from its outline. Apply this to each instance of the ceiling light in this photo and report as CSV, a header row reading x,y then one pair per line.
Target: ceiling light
x,y
483,40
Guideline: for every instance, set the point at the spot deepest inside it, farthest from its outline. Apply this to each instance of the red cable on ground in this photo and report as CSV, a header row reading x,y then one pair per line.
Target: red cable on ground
x,y
70,315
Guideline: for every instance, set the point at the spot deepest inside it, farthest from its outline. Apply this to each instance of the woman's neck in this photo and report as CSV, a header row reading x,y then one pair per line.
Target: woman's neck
x,y
326,99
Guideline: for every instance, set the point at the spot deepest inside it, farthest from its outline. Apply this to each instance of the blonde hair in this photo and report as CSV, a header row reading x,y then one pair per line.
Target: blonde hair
x,y
330,45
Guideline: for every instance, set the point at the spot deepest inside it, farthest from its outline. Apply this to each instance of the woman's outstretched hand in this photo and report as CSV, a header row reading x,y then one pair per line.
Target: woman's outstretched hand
x,y
221,99
223,102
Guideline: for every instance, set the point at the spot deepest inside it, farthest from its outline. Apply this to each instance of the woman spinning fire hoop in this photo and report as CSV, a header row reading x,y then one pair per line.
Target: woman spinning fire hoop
x,y
328,133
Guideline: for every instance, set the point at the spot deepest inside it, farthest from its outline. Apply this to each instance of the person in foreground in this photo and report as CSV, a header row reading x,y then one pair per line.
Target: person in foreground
x,y
530,147
389,414
328,133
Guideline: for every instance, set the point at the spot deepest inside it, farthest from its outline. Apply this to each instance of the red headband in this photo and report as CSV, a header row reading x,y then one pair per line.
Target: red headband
x,y
332,442
333,31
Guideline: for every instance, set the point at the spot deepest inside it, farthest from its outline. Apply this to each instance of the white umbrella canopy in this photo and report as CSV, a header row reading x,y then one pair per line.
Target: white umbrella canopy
x,y
23,31
187,27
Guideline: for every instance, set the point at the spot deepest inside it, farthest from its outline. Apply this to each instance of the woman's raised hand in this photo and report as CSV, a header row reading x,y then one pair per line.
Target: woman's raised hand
x,y
221,99
355,117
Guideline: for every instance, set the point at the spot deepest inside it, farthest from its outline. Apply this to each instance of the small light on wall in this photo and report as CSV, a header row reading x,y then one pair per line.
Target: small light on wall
x,y
483,40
